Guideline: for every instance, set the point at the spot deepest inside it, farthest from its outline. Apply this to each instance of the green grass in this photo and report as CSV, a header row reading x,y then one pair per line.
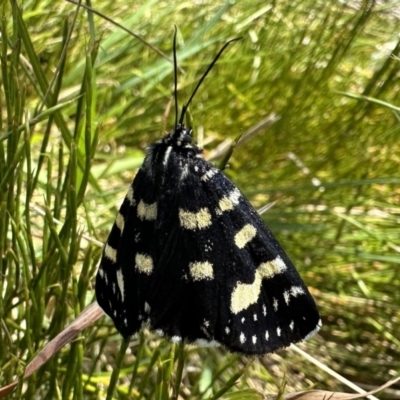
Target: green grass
x,y
81,99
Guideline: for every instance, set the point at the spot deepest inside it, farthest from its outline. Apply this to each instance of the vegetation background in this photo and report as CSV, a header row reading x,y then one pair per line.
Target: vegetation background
x,y
81,99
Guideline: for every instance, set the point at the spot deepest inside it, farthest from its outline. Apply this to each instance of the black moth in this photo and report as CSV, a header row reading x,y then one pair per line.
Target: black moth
x,y
189,258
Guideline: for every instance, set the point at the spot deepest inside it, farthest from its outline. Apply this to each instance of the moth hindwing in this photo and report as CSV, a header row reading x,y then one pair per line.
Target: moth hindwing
x,y
190,258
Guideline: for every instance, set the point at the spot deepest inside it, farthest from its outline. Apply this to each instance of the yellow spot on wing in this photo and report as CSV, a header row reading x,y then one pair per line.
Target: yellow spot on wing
x,y
227,203
245,235
201,270
195,220
110,253
129,195
147,211
120,222
246,294
144,263
271,268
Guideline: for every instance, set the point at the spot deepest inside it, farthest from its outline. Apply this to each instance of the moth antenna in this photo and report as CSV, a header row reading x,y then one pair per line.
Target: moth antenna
x,y
175,78
185,106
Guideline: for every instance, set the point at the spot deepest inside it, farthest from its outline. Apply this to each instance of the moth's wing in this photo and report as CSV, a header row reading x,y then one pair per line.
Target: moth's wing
x,y
127,263
227,280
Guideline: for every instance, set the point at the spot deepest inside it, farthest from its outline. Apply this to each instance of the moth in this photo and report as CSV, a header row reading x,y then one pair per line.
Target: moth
x,y
190,258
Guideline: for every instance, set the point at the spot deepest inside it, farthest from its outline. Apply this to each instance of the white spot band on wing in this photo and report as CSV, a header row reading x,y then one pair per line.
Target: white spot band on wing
x,y
245,235
246,294
209,174
195,220
228,203
110,253
201,270
144,263
147,211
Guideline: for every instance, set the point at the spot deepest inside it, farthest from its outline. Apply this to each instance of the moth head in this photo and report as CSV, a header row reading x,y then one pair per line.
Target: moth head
x,y
180,136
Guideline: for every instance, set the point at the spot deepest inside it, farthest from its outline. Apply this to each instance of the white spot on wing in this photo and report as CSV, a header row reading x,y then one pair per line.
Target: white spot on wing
x,y
201,270
110,253
254,338
227,203
255,317
176,339
271,268
266,335
147,211
296,290
227,330
195,220
243,319
291,325
264,310
120,222
144,263
314,331
129,195
120,281
246,294
147,308
286,296
242,338
278,331
209,174
245,235
275,304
